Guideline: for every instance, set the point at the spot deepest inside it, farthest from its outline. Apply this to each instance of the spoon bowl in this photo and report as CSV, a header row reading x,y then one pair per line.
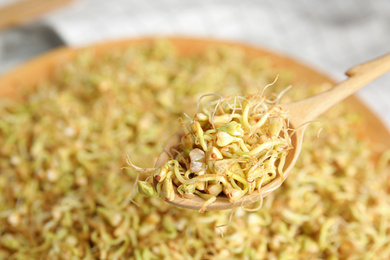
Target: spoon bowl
x,y
301,112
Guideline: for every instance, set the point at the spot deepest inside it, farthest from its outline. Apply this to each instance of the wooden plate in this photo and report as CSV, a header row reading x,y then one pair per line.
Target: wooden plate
x,y
41,68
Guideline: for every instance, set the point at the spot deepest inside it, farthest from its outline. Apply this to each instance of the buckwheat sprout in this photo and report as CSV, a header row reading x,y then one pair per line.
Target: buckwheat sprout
x,y
166,151
319,132
183,126
178,175
148,178
187,174
203,96
234,106
269,85
189,118
219,227
234,184
212,177
212,115
134,191
256,208
308,122
260,105
279,96
180,157
260,202
281,164
244,117
139,171
211,107
242,181
207,203
136,168
262,147
261,122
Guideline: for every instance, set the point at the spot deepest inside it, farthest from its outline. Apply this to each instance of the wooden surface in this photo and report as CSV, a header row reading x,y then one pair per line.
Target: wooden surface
x,y
41,68
26,10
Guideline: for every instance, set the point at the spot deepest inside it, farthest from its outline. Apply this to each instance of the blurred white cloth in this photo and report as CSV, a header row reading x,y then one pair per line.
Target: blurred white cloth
x,y
331,35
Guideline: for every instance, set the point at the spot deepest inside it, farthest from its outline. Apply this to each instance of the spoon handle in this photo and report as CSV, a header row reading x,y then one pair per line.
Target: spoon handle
x,y
358,77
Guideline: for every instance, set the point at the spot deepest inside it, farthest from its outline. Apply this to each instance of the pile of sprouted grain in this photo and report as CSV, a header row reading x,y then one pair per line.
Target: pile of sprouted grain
x,y
233,145
64,196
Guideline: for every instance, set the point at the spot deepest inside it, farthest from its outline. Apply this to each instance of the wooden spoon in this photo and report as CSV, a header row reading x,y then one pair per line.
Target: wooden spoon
x,y
301,112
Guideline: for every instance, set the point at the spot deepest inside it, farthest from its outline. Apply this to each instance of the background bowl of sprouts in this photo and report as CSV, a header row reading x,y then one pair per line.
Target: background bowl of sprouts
x,y
69,119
